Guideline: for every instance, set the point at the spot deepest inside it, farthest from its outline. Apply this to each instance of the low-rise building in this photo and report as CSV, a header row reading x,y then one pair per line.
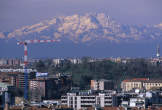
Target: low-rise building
x,y
152,83
84,100
140,83
5,87
141,99
102,84
15,77
6,97
139,102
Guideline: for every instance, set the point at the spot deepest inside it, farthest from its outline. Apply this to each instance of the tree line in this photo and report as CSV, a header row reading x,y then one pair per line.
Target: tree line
x,y
83,72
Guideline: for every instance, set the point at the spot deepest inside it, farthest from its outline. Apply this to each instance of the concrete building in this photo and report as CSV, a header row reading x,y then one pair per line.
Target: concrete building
x,y
20,82
10,62
37,85
5,95
102,84
140,83
17,70
152,84
84,100
75,60
5,87
141,99
139,102
3,62
15,77
42,88
6,79
57,61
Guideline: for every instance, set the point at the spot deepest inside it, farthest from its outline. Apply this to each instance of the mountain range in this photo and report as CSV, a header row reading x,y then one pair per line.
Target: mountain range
x,y
89,30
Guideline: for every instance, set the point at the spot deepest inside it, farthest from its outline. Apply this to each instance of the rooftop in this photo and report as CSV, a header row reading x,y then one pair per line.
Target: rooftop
x,y
4,84
136,79
145,80
18,70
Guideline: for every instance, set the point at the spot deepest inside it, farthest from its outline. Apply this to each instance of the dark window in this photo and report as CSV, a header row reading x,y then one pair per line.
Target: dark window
x,y
86,105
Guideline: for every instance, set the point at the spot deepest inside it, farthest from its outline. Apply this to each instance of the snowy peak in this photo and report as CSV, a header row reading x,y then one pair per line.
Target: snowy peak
x,y
84,29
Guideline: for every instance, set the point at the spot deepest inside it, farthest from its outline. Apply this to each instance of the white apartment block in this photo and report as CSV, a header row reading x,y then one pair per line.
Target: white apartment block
x,y
82,101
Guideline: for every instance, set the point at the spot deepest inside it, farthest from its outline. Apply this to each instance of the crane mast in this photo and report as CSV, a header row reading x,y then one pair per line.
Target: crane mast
x,y
25,43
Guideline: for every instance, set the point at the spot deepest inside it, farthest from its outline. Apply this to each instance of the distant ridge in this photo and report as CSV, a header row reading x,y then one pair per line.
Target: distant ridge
x,y
90,34
88,28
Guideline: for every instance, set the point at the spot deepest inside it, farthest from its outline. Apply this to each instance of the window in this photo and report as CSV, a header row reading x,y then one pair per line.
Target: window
x,y
64,101
86,105
71,106
108,97
108,101
64,97
87,101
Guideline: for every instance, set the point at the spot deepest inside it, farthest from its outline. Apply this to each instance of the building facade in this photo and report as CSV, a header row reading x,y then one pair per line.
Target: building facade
x,y
140,83
5,95
82,101
102,84
37,89
42,88
20,82
15,77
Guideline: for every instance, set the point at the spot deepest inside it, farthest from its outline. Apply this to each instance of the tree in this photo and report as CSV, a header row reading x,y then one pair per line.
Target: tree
x,y
40,66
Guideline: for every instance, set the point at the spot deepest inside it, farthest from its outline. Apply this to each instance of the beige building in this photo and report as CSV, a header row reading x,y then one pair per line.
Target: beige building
x,y
102,84
140,83
151,84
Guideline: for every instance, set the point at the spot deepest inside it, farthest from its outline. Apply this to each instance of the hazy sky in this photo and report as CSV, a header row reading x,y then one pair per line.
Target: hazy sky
x,y
16,13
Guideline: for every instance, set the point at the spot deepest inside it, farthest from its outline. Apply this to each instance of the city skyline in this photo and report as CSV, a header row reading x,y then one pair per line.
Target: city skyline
x,y
80,54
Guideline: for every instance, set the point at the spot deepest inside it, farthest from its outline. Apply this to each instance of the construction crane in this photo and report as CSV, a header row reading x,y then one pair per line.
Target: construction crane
x,y
25,43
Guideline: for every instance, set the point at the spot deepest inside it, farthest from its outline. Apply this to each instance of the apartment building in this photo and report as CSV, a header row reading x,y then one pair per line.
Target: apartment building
x,y
140,83
152,83
15,77
20,82
5,95
10,62
84,100
42,88
37,89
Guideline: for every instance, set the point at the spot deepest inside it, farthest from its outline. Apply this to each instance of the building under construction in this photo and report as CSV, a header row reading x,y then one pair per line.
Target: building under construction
x,y
15,77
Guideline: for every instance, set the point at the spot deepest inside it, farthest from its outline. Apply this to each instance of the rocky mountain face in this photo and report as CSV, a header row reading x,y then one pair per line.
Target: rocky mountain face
x,y
88,28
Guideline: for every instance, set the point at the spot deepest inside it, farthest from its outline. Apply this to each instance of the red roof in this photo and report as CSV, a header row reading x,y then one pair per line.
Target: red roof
x,y
136,79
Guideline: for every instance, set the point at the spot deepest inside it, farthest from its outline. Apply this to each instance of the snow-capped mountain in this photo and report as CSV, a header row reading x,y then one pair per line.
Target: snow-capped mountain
x,y
88,34
85,28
